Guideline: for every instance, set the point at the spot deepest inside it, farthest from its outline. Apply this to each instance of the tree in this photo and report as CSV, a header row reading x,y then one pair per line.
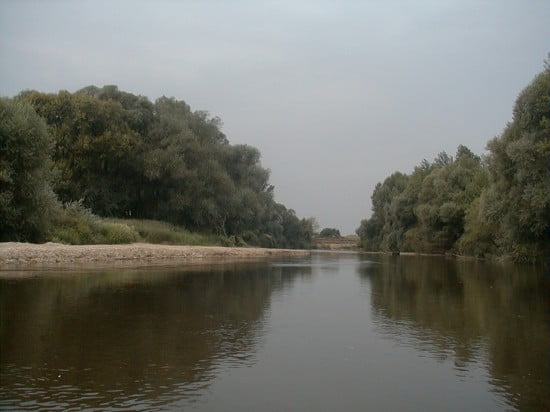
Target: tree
x,y
330,232
95,150
517,200
383,231
27,203
424,211
121,155
499,205
445,195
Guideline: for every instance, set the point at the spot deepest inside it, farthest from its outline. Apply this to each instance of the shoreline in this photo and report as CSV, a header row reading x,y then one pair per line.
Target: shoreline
x,y
15,255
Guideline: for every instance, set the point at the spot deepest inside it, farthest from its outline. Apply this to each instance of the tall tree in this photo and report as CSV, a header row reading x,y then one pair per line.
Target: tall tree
x,y
517,201
499,205
27,203
122,155
94,151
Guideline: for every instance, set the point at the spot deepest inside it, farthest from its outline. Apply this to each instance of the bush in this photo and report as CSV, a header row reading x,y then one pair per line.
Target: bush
x,y
77,225
153,231
115,233
528,253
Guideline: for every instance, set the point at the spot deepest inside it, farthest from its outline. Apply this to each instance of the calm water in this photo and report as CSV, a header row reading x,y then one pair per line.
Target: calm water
x,y
331,332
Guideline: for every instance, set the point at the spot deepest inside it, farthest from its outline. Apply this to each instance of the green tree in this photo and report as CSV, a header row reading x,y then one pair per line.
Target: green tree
x,y
121,155
27,203
499,205
330,232
94,150
517,200
445,196
424,211
383,231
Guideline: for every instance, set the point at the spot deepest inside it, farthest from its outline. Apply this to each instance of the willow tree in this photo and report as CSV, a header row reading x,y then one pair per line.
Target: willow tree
x,y
27,203
517,201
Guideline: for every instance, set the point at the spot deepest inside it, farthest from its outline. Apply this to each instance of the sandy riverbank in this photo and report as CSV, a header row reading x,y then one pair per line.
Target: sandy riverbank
x,y
18,255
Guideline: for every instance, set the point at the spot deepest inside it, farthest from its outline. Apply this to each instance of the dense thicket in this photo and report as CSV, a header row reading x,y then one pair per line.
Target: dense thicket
x,y
122,155
499,205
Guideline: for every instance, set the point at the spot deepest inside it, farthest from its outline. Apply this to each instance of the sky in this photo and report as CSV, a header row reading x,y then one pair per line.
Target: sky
x,y
336,95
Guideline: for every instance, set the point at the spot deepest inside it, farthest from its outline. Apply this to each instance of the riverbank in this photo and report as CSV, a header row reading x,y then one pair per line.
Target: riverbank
x,y
21,255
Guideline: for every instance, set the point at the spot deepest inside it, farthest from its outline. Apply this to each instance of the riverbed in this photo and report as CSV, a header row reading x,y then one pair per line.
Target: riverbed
x,y
323,332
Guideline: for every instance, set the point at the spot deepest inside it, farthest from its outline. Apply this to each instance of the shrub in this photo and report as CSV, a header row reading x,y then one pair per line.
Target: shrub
x,y
153,231
115,233
77,225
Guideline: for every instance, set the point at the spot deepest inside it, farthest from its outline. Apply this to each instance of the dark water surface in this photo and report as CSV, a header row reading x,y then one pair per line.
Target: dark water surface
x,y
341,332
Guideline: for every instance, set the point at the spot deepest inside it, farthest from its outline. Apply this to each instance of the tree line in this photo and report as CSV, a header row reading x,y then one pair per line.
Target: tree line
x,y
120,155
495,205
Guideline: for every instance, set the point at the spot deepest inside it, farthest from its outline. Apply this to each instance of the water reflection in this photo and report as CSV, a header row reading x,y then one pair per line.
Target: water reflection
x,y
130,338
470,312
331,332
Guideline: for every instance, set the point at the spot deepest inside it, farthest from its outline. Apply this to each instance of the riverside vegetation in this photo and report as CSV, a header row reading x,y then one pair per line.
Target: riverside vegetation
x,y
106,166
496,205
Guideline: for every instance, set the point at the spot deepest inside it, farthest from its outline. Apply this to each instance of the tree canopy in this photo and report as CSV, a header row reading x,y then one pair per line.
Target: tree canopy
x,y
26,199
330,232
122,155
499,205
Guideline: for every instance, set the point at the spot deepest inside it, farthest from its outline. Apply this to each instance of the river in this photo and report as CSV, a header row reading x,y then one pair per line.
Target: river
x,y
330,332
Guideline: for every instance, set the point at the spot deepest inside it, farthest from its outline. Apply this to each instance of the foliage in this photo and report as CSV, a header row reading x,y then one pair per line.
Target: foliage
x,y
496,206
152,231
77,225
95,149
330,232
517,199
122,156
27,202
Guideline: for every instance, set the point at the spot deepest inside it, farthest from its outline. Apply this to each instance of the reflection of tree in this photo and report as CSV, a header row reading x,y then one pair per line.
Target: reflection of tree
x,y
464,309
131,335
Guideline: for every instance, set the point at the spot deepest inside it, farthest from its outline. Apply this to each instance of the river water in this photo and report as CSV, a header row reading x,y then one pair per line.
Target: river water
x,y
331,332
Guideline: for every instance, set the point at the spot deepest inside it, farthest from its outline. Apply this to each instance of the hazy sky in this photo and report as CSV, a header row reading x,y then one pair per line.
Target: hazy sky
x,y
337,95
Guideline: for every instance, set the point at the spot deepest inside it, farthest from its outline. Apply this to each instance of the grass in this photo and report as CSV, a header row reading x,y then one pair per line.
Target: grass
x,y
153,231
77,225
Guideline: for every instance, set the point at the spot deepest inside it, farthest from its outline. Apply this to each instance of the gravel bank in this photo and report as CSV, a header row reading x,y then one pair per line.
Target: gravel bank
x,y
17,255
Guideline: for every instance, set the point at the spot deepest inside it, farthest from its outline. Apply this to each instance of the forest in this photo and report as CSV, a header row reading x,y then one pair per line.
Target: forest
x,y
496,205
69,160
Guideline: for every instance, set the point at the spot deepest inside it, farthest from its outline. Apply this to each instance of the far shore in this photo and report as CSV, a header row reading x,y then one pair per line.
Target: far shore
x,y
32,256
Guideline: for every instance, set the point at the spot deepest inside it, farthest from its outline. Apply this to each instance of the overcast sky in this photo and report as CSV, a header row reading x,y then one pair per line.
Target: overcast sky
x,y
337,95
